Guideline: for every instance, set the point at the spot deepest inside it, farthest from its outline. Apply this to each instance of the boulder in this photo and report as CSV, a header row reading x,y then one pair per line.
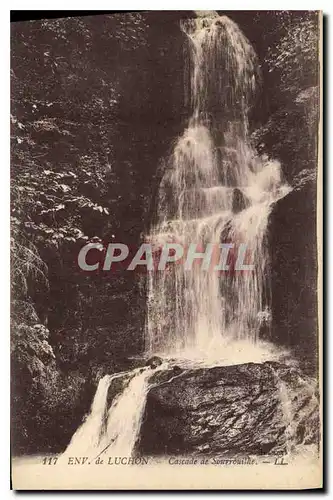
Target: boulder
x,y
238,201
242,409
154,362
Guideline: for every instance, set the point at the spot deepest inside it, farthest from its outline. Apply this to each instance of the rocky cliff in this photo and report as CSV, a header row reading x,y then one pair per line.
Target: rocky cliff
x,y
293,244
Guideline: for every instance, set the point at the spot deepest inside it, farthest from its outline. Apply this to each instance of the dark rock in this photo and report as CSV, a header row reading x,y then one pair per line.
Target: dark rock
x,y
154,362
177,370
292,240
117,386
232,410
238,201
162,376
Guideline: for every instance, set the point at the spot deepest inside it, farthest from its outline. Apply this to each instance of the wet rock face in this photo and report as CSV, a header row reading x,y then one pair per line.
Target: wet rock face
x,y
243,409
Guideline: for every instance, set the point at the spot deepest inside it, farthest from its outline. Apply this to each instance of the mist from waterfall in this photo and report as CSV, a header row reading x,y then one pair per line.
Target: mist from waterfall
x,y
215,189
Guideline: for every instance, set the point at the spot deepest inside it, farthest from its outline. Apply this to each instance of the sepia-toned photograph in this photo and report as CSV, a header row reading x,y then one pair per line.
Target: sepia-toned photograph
x,y
166,205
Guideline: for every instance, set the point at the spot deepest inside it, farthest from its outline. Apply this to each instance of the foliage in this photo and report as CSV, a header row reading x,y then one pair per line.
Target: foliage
x,y
294,60
290,133
65,191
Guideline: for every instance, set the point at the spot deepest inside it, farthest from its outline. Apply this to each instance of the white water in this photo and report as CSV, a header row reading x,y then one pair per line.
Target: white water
x,y
215,189
124,416
87,438
88,434
115,430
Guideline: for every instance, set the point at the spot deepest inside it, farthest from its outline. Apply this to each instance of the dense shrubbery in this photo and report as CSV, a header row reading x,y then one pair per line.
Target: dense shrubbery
x,y
87,131
292,68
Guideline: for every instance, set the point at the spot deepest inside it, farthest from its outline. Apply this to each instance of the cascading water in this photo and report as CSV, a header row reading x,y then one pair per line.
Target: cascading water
x,y
115,430
124,416
215,189
88,434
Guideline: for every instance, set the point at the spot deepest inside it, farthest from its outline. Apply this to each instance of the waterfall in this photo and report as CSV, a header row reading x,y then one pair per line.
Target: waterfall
x,y
215,189
124,416
88,434
114,430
